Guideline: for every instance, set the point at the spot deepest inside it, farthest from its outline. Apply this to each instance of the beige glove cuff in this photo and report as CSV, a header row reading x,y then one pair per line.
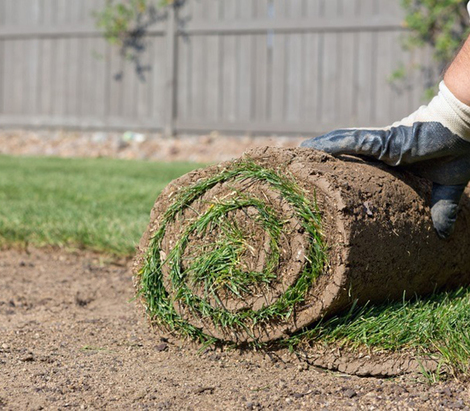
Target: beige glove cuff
x,y
444,108
452,113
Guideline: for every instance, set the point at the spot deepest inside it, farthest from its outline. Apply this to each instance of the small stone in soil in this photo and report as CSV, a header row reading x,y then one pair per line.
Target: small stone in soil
x,y
201,390
27,358
349,393
161,347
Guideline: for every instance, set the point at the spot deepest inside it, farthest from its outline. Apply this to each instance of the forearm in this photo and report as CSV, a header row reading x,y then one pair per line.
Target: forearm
x,y
457,76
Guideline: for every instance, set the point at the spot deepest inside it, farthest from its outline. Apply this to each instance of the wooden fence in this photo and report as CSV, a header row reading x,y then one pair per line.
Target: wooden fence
x,y
258,66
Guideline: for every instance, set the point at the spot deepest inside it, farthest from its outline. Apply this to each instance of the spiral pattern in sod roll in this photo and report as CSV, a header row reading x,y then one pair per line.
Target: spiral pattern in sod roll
x,y
233,255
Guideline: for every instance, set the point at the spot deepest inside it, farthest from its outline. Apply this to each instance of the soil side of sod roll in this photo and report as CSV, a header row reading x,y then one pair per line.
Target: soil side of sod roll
x,y
257,248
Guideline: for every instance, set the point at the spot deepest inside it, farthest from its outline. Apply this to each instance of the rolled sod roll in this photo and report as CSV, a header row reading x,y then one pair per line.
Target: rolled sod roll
x,y
260,247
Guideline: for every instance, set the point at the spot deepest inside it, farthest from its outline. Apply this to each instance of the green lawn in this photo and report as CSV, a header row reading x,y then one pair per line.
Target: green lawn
x,y
99,204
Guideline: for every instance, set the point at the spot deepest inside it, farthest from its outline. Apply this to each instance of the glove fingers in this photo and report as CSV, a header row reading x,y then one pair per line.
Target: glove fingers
x,y
382,145
338,142
444,207
335,142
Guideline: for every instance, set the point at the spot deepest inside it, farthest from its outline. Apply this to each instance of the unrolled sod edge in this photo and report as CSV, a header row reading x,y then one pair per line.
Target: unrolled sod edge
x,y
350,231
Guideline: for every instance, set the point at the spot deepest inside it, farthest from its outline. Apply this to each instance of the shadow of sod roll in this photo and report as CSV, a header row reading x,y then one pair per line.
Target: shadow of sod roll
x,y
258,248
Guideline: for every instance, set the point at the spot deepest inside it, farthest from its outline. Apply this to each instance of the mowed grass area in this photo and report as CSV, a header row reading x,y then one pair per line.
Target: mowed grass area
x,y
104,205
99,204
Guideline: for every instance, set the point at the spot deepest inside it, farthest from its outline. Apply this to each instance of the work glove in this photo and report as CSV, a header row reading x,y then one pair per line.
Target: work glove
x,y
433,142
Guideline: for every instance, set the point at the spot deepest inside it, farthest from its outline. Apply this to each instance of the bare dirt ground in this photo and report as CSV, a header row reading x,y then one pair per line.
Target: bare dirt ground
x,y
71,339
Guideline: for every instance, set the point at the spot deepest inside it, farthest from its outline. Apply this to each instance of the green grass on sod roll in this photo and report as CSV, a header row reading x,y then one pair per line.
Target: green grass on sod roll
x,y
156,298
217,265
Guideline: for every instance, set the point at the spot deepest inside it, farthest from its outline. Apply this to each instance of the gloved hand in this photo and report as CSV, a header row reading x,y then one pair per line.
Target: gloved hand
x,y
433,142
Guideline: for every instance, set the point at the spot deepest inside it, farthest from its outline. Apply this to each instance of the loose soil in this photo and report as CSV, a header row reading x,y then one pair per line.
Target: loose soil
x,y
71,338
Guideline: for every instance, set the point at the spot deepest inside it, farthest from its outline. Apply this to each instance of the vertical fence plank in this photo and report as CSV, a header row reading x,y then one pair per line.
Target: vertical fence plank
x,y
59,79
278,84
11,13
260,67
383,79
32,55
311,90
129,82
295,66
60,86
229,82
149,81
72,77
312,8
212,80
6,79
61,12
400,100
89,7
197,10
87,94
46,63
170,70
346,80
390,8
73,12
211,91
310,86
98,80
244,70
183,78
260,9
279,63
47,12
22,13
144,75
295,9
115,75
159,83
229,74
347,61
212,10
45,78
15,77
294,76
198,68
330,66
2,13
7,72
280,8
364,74
366,70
